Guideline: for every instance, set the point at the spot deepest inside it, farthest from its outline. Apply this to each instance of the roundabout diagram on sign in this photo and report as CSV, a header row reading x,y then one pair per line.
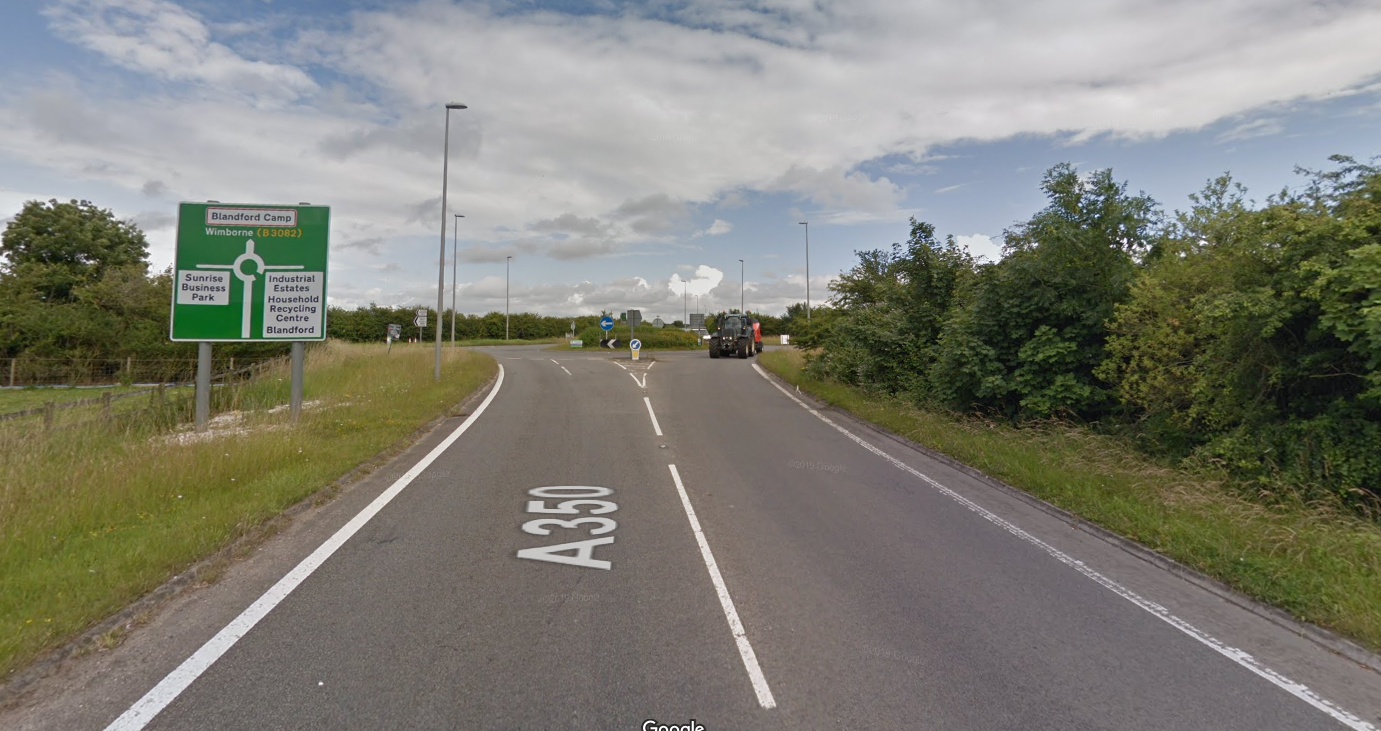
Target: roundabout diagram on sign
x,y
249,257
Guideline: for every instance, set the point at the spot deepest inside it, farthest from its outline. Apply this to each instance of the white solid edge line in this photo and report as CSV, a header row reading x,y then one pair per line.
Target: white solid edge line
x,y
619,364
1240,657
655,426
145,709
649,365
642,383
567,372
745,649
553,360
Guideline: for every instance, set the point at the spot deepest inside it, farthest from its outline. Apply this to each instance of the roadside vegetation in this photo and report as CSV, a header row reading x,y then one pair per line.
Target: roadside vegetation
x,y
75,285
369,325
92,518
665,338
1224,361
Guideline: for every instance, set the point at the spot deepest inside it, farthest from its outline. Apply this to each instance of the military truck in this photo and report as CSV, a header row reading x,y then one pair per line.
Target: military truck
x,y
735,335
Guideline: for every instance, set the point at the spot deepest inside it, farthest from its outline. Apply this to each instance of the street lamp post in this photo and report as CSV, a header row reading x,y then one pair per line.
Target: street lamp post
x,y
685,304
740,288
505,296
441,263
807,225
455,285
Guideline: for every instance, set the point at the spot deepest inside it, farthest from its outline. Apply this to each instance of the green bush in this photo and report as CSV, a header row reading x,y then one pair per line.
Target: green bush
x,y
1243,336
652,338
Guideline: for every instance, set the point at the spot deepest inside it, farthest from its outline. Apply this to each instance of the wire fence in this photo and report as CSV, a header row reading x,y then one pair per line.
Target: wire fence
x,y
171,405
31,372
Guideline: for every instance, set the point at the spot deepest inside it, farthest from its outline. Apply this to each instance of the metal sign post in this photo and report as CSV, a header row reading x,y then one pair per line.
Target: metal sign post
x,y
296,388
420,320
203,385
606,324
249,273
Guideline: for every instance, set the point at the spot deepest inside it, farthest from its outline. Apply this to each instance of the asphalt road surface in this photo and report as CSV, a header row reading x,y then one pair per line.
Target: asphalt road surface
x,y
754,566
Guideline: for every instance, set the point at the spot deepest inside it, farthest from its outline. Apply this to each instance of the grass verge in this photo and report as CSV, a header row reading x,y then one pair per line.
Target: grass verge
x,y
1320,564
93,518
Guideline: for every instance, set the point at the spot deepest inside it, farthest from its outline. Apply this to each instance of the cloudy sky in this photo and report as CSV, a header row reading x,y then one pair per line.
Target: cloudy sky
x,y
623,153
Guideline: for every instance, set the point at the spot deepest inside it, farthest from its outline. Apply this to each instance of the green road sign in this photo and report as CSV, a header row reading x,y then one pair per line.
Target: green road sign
x,y
250,272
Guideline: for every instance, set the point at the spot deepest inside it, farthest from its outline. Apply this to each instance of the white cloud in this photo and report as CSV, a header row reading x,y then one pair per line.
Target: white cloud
x,y
625,125
981,246
700,283
835,188
1254,128
716,228
167,42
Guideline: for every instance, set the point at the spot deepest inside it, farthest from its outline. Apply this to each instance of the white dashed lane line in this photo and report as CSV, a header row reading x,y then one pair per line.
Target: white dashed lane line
x,y
655,426
745,649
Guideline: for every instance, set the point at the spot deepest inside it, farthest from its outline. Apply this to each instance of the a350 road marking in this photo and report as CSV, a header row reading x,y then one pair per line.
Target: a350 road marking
x,y
569,499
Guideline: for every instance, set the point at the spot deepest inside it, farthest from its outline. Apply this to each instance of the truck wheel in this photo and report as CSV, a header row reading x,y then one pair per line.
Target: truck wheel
x,y
714,351
743,348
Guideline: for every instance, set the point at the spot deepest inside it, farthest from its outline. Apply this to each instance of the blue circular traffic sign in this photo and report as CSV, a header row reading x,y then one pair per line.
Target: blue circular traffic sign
x,y
635,344
606,323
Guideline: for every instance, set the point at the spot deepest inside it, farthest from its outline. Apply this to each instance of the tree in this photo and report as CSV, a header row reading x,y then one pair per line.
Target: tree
x,y
1253,340
1027,341
62,246
892,307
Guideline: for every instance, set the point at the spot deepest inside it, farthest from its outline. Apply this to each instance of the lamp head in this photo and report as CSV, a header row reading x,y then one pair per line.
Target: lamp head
x,y
456,105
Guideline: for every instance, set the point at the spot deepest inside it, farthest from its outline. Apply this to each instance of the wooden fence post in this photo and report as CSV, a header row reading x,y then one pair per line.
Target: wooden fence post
x,y
106,398
50,412
13,362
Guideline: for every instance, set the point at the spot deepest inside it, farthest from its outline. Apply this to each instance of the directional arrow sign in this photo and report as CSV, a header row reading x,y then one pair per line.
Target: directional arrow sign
x,y
635,344
250,272
606,323
420,321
